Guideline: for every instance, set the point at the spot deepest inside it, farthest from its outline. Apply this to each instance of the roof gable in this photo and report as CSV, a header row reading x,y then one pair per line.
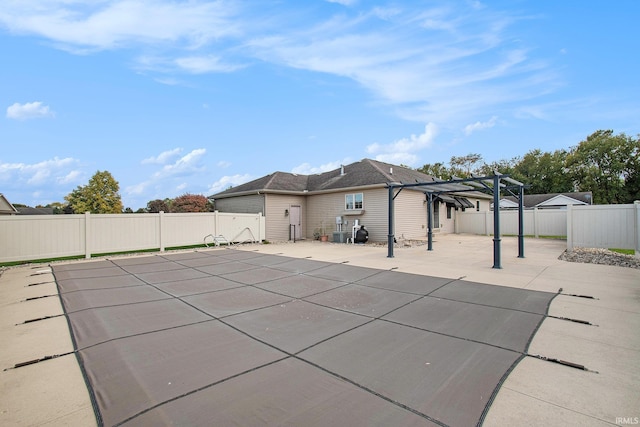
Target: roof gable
x,y
506,203
5,206
561,200
553,199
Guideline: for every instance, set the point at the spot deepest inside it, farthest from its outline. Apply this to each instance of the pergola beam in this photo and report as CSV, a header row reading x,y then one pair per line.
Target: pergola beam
x,y
456,185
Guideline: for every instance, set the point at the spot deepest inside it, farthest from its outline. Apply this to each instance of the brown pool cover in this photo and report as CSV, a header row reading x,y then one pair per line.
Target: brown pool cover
x,y
229,337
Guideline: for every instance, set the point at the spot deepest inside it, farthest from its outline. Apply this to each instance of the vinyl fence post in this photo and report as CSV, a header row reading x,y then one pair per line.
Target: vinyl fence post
x,y
636,204
569,228
216,220
160,233
87,235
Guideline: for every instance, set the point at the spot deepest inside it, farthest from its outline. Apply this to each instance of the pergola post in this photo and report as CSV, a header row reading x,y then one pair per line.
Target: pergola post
x,y
390,237
496,221
521,221
429,221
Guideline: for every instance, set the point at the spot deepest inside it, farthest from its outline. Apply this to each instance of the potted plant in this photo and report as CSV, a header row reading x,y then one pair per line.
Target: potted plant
x,y
324,237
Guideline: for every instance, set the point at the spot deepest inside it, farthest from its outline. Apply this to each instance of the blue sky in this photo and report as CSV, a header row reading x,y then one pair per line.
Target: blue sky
x,y
194,96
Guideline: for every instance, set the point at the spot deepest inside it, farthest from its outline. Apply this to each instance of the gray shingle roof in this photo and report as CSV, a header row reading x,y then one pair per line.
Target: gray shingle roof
x,y
366,172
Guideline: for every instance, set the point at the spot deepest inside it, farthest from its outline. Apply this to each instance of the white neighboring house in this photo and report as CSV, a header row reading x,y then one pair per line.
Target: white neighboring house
x,y
548,201
6,208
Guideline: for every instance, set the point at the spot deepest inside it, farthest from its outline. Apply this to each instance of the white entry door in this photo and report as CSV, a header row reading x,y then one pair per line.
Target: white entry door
x,y
294,220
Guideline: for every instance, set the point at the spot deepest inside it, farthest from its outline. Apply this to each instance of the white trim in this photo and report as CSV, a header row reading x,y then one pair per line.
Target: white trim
x,y
560,200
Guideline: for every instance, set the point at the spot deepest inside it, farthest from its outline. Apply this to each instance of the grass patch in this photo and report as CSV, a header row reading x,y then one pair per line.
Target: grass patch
x,y
98,255
531,236
41,261
623,251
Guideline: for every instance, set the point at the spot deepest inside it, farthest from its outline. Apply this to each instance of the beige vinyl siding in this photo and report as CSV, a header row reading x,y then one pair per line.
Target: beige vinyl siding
x,y
326,207
410,214
253,203
277,223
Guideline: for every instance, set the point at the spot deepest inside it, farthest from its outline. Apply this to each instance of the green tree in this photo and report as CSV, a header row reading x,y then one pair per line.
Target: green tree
x,y
464,166
99,196
58,208
607,165
438,170
544,172
505,167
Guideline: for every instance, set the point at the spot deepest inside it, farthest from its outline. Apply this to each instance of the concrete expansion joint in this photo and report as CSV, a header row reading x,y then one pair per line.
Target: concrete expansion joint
x,y
549,402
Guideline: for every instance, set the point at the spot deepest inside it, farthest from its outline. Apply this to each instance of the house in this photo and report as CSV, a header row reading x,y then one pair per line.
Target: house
x,y
306,206
26,210
548,201
6,208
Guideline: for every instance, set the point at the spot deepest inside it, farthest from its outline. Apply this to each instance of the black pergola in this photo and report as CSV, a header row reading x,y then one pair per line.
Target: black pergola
x,y
486,184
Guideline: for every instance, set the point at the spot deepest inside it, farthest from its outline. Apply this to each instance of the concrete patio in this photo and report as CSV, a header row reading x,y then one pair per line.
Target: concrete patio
x,y
536,392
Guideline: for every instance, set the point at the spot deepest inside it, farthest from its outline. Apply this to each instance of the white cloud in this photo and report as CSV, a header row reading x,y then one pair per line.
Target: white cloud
x,y
398,158
185,164
403,150
170,81
71,177
308,169
227,181
469,129
205,64
223,164
187,169
434,64
111,24
163,157
29,110
56,170
441,63
137,189
192,64
343,2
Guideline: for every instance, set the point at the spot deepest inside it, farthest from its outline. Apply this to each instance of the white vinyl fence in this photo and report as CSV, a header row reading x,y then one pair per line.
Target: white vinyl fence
x,y
31,237
604,226
594,226
537,222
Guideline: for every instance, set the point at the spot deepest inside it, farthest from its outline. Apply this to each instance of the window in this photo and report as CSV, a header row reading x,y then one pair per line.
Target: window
x,y
478,205
449,210
353,201
436,214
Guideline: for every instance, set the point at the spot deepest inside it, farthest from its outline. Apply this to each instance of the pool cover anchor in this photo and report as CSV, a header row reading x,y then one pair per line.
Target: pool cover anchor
x,y
40,283
568,319
40,273
40,297
34,361
39,319
577,295
562,362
